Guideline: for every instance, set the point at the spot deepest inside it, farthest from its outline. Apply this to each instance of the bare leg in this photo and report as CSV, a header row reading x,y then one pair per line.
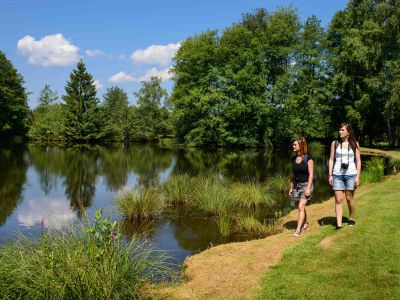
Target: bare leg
x,y
338,207
305,217
351,203
301,215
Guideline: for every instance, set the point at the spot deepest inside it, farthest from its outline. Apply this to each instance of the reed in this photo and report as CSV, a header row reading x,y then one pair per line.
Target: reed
x,y
278,184
211,196
141,204
89,261
224,225
250,195
316,148
250,224
178,189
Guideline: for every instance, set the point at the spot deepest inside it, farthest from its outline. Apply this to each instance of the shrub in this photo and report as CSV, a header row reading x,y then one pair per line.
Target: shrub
x,y
374,170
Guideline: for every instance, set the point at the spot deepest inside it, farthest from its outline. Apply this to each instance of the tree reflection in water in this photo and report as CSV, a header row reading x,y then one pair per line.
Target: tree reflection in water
x,y
12,179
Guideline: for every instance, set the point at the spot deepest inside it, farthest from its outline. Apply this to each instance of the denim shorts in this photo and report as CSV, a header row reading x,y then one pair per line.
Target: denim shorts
x,y
344,182
299,191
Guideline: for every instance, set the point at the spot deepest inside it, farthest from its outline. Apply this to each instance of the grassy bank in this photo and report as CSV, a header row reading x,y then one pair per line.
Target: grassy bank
x,y
360,262
91,261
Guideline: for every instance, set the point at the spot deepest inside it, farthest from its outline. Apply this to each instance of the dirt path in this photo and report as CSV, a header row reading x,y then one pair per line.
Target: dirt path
x,y
234,271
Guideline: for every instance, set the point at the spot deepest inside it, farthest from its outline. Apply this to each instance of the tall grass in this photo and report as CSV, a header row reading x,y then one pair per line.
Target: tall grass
x,y
211,196
250,195
250,224
224,224
141,204
85,262
374,170
179,189
316,148
395,164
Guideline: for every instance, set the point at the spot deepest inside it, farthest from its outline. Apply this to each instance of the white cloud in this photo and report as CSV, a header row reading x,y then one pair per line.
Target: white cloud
x,y
97,84
154,72
50,51
121,77
92,53
156,54
55,213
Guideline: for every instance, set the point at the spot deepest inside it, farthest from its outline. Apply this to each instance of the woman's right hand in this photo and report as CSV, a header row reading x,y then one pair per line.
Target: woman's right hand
x,y
331,180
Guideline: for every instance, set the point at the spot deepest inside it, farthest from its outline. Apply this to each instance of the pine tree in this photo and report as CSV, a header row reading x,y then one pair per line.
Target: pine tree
x,y
13,101
81,106
47,97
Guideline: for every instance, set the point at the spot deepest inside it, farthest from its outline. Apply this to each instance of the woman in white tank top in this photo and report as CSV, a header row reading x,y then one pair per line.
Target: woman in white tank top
x,y
344,172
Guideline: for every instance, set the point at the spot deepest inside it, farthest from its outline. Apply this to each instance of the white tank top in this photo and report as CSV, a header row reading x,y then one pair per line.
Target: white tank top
x,y
347,155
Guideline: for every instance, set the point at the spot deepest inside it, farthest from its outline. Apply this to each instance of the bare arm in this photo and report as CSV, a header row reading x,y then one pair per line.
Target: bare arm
x,y
331,159
358,160
310,164
291,184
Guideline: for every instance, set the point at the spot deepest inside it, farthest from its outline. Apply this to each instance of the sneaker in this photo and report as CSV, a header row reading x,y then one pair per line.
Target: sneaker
x,y
352,222
338,227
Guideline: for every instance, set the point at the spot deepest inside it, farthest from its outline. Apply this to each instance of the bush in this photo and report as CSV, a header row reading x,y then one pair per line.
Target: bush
x,y
374,170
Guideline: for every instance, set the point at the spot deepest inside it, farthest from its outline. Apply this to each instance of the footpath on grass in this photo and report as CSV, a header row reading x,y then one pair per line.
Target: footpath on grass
x,y
255,269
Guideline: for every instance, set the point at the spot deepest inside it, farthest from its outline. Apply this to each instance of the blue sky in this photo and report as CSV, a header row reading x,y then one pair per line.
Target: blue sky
x,y
121,42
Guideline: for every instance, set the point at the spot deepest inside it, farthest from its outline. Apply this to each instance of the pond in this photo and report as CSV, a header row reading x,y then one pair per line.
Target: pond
x,y
51,186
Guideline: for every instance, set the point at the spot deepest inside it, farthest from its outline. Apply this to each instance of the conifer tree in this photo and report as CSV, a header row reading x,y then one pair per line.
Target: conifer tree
x,y
13,101
81,106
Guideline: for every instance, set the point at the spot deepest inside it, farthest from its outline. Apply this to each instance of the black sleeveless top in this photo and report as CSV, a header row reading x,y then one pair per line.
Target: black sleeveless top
x,y
300,171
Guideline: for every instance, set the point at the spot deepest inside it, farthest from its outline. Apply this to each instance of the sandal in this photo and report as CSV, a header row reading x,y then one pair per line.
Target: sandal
x,y
305,228
297,233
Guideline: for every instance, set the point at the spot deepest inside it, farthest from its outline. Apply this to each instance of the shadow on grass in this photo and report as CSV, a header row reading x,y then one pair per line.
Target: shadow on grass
x,y
331,221
290,225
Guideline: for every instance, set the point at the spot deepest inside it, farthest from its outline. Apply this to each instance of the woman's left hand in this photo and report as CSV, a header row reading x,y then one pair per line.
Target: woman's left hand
x,y
356,181
308,192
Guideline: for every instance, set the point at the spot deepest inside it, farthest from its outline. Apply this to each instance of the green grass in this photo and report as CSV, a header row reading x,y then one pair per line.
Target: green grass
x,y
141,204
362,262
178,190
224,224
316,148
279,184
87,262
250,195
211,196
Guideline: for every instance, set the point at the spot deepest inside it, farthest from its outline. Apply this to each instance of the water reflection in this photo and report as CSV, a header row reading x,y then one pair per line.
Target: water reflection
x,y
51,212
12,178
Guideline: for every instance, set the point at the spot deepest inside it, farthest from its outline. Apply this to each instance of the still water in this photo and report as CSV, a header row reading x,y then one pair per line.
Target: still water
x,y
50,186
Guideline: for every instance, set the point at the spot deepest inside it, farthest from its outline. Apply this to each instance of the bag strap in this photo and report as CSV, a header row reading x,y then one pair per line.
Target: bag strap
x,y
334,156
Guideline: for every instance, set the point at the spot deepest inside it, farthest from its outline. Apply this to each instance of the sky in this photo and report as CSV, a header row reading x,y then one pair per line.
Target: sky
x,y
121,42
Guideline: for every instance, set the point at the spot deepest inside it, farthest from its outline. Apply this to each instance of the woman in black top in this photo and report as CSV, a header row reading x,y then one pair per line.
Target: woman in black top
x,y
301,182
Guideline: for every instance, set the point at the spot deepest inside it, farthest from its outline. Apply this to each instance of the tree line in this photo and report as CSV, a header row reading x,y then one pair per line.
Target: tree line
x,y
261,81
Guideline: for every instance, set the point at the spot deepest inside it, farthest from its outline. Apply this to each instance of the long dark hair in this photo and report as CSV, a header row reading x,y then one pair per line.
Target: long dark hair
x,y
352,138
